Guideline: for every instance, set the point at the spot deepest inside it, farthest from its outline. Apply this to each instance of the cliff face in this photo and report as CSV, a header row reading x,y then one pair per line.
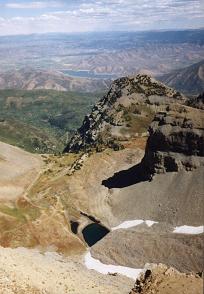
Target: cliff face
x,y
125,112
176,141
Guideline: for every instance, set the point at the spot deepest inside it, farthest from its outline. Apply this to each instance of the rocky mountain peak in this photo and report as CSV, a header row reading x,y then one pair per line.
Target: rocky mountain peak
x,y
125,112
140,84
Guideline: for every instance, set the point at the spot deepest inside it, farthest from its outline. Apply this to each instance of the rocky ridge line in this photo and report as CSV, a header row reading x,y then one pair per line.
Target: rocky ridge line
x,y
124,104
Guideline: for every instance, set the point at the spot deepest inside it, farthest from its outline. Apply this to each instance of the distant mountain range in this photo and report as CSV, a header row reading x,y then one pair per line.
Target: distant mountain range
x,y
30,79
189,80
108,53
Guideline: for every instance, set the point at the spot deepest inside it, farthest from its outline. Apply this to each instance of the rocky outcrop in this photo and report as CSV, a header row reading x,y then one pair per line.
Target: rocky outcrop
x,y
197,102
161,279
126,111
176,141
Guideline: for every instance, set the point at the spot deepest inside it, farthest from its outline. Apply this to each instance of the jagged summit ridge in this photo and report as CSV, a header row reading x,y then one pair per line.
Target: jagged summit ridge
x,y
126,111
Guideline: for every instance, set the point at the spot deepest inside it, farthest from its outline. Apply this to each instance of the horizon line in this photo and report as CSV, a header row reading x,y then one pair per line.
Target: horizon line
x,y
105,31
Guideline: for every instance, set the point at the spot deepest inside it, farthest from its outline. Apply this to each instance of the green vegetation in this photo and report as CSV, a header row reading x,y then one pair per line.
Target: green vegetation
x,y
20,213
137,118
42,120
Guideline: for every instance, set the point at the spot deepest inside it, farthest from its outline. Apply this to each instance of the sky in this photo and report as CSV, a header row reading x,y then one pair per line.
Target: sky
x,y
27,17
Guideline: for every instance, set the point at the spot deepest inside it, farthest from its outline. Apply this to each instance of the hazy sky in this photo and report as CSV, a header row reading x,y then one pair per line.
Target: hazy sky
x,y
24,17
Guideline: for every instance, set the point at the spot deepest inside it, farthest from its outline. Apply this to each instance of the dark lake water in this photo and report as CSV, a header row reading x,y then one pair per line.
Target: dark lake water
x,y
93,233
74,227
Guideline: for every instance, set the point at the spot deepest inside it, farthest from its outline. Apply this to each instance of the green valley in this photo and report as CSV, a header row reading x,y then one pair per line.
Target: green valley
x,y
42,121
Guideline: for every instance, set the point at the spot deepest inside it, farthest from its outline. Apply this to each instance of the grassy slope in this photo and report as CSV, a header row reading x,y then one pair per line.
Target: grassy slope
x,y
39,120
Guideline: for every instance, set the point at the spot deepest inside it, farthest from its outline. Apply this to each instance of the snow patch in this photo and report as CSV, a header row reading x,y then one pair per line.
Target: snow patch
x,y
150,223
97,265
133,223
189,230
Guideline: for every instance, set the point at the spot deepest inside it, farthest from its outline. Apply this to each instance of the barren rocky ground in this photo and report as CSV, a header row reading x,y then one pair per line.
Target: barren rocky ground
x,y
18,170
29,271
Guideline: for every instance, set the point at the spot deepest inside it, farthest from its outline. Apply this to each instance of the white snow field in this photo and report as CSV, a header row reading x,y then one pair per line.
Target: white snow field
x,y
97,265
